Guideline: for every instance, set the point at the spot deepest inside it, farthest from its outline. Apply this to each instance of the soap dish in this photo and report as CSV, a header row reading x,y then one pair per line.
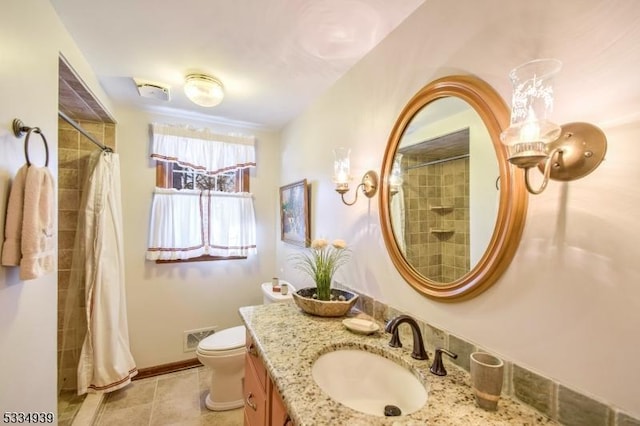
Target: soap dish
x,y
360,326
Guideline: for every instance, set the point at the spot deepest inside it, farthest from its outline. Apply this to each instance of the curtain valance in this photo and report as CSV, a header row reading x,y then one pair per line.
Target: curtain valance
x,y
192,223
201,149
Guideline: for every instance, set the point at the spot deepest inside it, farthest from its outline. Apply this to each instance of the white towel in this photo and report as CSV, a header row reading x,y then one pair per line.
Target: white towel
x,y
38,224
11,252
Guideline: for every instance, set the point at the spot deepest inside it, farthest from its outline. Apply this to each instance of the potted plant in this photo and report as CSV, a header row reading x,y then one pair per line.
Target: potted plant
x,y
320,262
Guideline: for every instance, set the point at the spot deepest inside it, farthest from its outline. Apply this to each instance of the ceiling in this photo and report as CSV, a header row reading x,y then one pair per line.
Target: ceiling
x,y
274,57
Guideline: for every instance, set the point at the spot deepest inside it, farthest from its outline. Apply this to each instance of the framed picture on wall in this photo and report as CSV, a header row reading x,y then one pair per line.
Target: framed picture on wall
x,y
294,213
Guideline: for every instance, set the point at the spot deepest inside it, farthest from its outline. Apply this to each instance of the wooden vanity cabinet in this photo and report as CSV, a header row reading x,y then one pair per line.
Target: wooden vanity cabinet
x,y
263,405
255,396
277,411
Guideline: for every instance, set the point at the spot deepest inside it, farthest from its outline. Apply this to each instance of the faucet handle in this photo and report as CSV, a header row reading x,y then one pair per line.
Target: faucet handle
x,y
437,367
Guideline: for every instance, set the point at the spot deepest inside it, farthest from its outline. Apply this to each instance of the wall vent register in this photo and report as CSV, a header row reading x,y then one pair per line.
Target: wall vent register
x,y
191,338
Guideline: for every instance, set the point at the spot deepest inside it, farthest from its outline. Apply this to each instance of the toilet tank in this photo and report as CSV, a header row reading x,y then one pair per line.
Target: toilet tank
x,y
269,296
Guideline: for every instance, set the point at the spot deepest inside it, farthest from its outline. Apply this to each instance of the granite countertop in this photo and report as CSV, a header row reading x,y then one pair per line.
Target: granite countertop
x,y
289,341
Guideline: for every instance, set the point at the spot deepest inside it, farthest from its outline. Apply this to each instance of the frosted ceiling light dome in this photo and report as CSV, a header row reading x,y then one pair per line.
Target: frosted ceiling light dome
x,y
203,90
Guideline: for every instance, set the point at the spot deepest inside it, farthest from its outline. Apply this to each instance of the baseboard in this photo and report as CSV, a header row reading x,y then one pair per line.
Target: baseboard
x,y
172,367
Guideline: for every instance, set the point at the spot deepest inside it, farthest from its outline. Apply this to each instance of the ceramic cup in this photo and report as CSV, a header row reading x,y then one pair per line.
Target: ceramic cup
x,y
486,379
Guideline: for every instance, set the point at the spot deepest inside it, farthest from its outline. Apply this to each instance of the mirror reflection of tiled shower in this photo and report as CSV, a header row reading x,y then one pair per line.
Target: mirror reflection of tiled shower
x,y
436,199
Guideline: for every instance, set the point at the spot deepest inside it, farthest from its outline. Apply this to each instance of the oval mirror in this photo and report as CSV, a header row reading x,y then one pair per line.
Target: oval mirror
x,y
452,209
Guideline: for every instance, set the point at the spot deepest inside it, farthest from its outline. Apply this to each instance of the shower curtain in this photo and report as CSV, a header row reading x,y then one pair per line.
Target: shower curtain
x,y
398,219
106,363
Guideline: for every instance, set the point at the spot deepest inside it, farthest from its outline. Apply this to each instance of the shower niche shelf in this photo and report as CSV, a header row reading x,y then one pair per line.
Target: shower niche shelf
x,y
441,209
441,231
442,234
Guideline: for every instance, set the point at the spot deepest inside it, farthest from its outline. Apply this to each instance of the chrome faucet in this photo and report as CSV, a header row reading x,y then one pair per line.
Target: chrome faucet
x,y
418,344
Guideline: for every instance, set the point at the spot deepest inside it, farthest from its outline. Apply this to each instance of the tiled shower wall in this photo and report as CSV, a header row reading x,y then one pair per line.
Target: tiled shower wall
x,y
437,206
73,152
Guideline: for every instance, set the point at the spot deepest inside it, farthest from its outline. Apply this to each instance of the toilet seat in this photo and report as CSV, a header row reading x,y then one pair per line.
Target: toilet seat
x,y
229,341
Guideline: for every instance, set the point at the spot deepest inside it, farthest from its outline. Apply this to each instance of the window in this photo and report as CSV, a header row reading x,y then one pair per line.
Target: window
x,y
171,175
202,208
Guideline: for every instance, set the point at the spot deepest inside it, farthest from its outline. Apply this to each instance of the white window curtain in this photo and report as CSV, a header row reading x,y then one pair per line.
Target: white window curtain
x,y
201,149
192,223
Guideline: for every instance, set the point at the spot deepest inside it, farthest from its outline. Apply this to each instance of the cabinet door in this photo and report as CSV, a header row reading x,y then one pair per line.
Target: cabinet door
x,y
255,404
278,410
252,353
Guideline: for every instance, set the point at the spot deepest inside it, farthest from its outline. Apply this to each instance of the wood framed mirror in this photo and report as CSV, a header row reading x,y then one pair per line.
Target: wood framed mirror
x,y
452,209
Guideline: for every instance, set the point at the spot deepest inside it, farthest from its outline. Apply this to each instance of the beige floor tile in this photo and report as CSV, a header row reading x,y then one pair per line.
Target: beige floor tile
x,y
178,411
178,386
137,393
138,415
175,399
203,404
223,418
187,372
204,377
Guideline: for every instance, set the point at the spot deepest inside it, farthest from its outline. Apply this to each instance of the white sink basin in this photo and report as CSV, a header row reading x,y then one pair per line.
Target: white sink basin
x,y
368,382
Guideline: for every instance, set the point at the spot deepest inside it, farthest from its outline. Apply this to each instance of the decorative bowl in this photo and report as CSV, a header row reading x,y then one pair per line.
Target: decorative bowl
x,y
324,308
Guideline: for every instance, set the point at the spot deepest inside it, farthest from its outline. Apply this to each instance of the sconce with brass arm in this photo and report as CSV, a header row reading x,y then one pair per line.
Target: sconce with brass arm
x,y
577,152
562,153
341,177
369,185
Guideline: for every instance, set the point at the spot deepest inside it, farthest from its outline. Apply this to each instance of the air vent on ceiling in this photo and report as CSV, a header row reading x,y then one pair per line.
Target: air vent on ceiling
x,y
148,89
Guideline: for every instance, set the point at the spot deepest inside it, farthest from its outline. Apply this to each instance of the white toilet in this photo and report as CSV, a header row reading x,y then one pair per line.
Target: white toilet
x,y
223,353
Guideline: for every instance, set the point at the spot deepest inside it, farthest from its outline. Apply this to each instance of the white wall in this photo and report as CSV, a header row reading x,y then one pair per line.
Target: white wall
x,y
164,300
31,39
569,305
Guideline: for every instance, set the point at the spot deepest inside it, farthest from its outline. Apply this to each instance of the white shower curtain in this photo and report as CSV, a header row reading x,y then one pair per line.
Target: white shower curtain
x,y
398,219
106,363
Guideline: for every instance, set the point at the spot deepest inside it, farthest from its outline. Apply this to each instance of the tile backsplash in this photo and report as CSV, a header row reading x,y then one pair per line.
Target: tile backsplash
x,y
549,397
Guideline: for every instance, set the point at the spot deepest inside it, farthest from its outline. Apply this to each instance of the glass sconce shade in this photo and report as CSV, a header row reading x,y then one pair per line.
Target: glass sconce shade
x,y
562,153
341,169
532,103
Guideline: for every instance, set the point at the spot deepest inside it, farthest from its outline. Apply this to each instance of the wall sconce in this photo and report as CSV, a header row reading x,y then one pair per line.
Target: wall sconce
x,y
561,153
203,90
341,176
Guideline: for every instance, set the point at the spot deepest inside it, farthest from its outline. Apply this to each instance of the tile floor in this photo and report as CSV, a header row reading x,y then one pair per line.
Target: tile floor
x,y
170,399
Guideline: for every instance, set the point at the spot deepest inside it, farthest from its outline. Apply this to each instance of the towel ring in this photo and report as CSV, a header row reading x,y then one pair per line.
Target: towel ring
x,y
19,129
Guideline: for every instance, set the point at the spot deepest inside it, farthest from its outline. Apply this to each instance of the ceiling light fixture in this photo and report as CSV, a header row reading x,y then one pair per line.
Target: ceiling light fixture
x,y
203,90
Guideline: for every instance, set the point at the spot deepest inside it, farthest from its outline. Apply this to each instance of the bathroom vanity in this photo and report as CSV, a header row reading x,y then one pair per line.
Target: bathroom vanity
x,y
263,404
283,344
